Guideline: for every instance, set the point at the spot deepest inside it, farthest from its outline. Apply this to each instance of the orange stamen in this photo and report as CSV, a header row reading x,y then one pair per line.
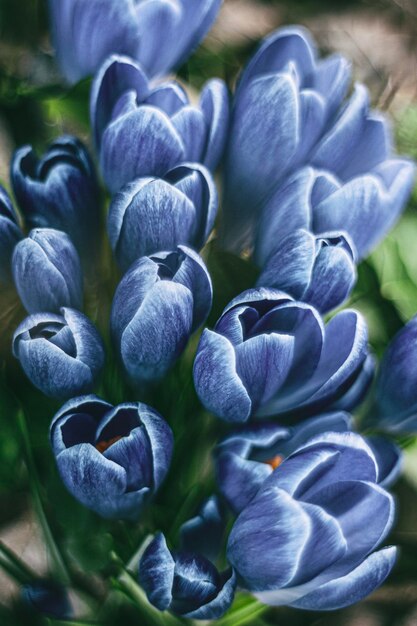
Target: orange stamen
x,y
275,462
103,445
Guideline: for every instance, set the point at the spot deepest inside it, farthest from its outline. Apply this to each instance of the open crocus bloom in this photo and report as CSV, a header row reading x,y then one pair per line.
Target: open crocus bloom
x,y
269,355
309,536
112,459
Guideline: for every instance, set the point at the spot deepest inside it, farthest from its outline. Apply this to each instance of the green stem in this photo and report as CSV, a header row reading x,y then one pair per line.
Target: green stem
x,y
26,572
60,568
73,623
128,585
188,505
243,615
12,571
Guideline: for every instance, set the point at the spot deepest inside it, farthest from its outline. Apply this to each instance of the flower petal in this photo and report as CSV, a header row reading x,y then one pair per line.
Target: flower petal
x,y
141,143
334,149
190,125
214,609
285,532
98,484
156,573
158,332
389,458
288,209
352,587
162,442
290,266
116,76
264,139
215,105
147,216
216,381
263,364
196,182
287,44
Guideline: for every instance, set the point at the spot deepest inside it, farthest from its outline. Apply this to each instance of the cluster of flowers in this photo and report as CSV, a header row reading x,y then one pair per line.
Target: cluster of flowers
x,y
310,186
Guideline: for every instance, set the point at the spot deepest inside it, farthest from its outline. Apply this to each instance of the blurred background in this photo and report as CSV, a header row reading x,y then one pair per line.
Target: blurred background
x,y
380,38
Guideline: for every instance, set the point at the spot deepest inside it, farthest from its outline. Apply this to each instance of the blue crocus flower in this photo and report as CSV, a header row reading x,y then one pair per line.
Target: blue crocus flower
x,y
247,457
315,200
60,190
142,131
158,304
269,355
10,234
48,598
62,355
160,34
308,538
289,111
187,582
47,272
111,459
319,270
396,388
153,214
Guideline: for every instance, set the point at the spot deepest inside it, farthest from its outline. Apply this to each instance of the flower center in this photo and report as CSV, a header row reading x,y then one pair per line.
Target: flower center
x,y
102,446
275,461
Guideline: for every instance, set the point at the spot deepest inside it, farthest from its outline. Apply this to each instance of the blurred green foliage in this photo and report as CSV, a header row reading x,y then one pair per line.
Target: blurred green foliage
x,y
23,21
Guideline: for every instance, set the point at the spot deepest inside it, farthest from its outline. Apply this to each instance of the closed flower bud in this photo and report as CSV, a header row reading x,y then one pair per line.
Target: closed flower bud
x,y
59,190
318,270
289,111
159,34
47,272
10,234
143,131
62,355
160,301
316,201
153,214
111,459
320,515
269,355
396,388
187,581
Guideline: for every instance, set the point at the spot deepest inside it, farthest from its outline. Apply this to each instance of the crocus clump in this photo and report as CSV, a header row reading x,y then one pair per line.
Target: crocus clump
x,y
290,111
142,130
